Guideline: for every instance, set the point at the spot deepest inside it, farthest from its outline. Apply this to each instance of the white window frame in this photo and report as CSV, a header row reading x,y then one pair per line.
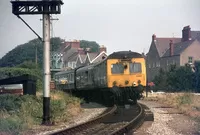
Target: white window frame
x,y
190,59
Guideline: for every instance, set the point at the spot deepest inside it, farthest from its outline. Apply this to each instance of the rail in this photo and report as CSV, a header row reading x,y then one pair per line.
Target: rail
x,y
133,124
80,127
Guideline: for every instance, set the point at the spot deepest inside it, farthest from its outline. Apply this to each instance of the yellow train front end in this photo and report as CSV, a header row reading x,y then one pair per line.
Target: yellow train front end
x,y
126,72
126,76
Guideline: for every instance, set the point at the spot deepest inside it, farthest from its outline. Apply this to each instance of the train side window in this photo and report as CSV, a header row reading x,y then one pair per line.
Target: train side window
x,y
135,68
117,68
73,77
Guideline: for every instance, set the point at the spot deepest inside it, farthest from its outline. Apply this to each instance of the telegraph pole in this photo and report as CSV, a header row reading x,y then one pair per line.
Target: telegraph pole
x,y
44,7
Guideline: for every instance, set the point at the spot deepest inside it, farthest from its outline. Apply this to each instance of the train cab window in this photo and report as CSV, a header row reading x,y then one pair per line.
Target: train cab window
x,y
117,68
135,68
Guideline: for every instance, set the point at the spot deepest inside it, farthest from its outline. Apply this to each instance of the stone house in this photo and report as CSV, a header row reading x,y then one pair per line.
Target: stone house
x,y
164,52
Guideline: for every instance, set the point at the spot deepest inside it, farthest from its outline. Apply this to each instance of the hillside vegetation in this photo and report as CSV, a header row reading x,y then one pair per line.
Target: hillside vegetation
x,y
26,52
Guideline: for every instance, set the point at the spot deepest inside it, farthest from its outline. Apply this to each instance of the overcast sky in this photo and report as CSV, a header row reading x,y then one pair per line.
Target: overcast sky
x,y
117,24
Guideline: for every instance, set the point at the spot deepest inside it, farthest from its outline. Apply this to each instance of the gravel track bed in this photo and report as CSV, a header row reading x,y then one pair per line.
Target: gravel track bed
x,y
167,121
90,111
102,129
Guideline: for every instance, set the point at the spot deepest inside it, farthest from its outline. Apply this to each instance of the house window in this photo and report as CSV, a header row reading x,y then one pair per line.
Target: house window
x,y
158,64
69,64
73,64
189,59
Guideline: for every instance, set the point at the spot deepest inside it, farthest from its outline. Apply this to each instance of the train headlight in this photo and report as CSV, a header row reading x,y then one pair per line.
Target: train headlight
x,y
134,84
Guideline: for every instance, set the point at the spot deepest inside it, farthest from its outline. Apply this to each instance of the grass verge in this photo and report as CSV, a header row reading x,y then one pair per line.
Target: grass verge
x,y
21,113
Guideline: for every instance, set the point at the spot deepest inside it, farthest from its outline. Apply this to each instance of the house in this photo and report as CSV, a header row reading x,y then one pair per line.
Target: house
x,y
164,52
91,58
70,55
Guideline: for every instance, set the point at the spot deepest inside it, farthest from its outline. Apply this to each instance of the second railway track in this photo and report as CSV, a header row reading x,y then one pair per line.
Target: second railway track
x,y
118,120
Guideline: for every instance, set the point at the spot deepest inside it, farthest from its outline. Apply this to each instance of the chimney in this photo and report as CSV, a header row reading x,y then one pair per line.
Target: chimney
x,y
102,48
186,33
74,44
153,37
81,51
171,48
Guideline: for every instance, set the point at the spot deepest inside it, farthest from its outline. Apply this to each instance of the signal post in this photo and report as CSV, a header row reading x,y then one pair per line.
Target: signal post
x,y
44,7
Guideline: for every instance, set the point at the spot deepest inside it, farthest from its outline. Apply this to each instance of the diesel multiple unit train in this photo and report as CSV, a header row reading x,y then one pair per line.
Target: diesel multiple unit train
x,y
118,79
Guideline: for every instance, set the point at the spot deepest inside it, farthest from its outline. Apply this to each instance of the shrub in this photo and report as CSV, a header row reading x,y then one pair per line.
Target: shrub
x,y
22,112
5,72
12,124
186,98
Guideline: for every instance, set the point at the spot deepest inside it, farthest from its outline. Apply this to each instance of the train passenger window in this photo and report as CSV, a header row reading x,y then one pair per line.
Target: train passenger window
x,y
117,68
72,77
135,68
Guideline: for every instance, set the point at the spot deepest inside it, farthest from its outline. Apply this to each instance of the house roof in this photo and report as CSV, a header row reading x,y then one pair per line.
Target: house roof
x,y
64,48
92,56
179,48
162,44
83,57
97,57
195,34
73,58
69,54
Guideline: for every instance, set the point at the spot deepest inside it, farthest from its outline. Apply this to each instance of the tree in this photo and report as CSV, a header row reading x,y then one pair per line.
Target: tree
x,y
28,64
90,44
160,80
26,52
197,76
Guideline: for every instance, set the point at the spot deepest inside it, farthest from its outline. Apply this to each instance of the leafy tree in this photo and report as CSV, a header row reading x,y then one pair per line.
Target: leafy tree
x,y
197,76
177,79
90,44
13,71
181,78
26,52
160,80
28,64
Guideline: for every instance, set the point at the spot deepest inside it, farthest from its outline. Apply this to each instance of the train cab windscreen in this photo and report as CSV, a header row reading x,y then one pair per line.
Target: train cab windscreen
x,y
135,68
117,68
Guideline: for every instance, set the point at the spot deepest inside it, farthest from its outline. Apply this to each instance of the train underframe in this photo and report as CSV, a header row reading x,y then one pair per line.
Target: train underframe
x,y
110,96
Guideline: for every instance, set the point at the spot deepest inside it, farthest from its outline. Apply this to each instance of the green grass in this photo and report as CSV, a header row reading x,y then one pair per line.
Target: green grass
x,y
19,113
186,98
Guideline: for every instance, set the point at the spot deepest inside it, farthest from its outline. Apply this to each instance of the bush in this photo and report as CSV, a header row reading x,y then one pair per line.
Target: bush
x,y
6,72
12,125
185,99
22,112
176,79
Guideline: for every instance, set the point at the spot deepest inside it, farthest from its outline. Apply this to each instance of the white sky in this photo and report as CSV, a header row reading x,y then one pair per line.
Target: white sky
x,y
117,24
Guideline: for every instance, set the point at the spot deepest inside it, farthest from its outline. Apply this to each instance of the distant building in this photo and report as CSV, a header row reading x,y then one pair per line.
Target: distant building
x,y
164,52
70,56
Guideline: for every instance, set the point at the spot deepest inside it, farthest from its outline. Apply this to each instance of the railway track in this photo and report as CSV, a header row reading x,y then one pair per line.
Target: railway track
x,y
117,121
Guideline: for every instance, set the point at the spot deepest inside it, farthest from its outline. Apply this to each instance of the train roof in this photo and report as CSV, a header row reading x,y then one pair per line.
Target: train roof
x,y
67,71
124,54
